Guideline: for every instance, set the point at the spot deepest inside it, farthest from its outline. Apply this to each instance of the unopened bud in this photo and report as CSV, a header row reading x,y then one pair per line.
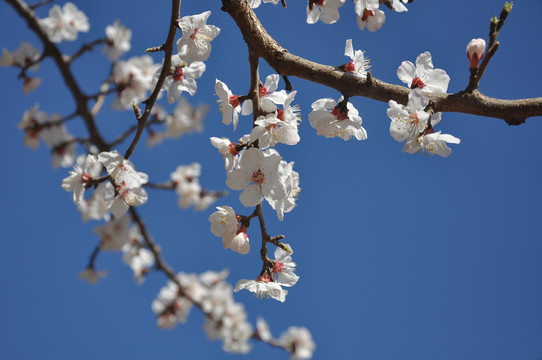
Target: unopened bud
x,y
475,51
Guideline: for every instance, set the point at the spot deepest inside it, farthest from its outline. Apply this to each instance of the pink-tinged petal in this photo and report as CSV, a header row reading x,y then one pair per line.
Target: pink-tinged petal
x,y
239,243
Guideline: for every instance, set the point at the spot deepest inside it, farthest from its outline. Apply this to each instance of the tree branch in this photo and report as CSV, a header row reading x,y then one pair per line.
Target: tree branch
x,y
168,51
514,112
64,67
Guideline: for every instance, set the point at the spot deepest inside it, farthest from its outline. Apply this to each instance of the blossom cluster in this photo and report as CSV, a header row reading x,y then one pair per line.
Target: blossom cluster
x,y
37,125
116,196
282,274
226,319
25,57
368,14
414,123
118,235
186,182
258,172
185,119
256,168
296,339
341,119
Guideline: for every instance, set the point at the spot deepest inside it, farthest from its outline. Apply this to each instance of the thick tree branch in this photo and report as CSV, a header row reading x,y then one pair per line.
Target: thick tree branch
x,y
514,112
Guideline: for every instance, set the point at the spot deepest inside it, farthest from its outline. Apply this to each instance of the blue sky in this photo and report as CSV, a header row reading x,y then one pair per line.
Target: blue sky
x,y
400,256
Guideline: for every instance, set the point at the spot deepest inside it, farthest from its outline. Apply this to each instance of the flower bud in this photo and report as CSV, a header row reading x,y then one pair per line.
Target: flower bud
x,y
475,51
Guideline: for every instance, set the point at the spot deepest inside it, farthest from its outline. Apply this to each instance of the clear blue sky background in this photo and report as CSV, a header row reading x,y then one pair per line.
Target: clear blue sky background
x,y
400,256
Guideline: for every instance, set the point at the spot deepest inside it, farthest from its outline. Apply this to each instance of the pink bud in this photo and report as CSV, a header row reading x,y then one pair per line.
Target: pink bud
x,y
475,51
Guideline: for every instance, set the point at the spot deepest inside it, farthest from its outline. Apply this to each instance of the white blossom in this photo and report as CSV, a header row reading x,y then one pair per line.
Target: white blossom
x,y
369,15
136,255
32,124
325,10
195,43
134,79
23,56
299,341
423,75
87,168
91,276
114,234
269,97
359,65
263,287
229,104
284,267
257,176
332,120
64,23
118,40
224,224
228,151
183,78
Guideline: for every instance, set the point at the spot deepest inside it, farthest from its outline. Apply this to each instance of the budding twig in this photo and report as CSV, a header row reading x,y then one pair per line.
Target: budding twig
x,y
168,51
494,30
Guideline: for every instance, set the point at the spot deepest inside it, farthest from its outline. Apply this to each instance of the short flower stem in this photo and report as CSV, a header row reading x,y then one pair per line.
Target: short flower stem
x,y
93,257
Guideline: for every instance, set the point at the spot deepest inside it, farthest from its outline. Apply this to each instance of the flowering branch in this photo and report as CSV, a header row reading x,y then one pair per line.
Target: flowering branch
x,y
64,67
168,51
514,112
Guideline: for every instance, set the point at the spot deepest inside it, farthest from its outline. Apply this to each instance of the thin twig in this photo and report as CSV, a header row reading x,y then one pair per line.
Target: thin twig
x,y
86,47
494,30
40,3
168,51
